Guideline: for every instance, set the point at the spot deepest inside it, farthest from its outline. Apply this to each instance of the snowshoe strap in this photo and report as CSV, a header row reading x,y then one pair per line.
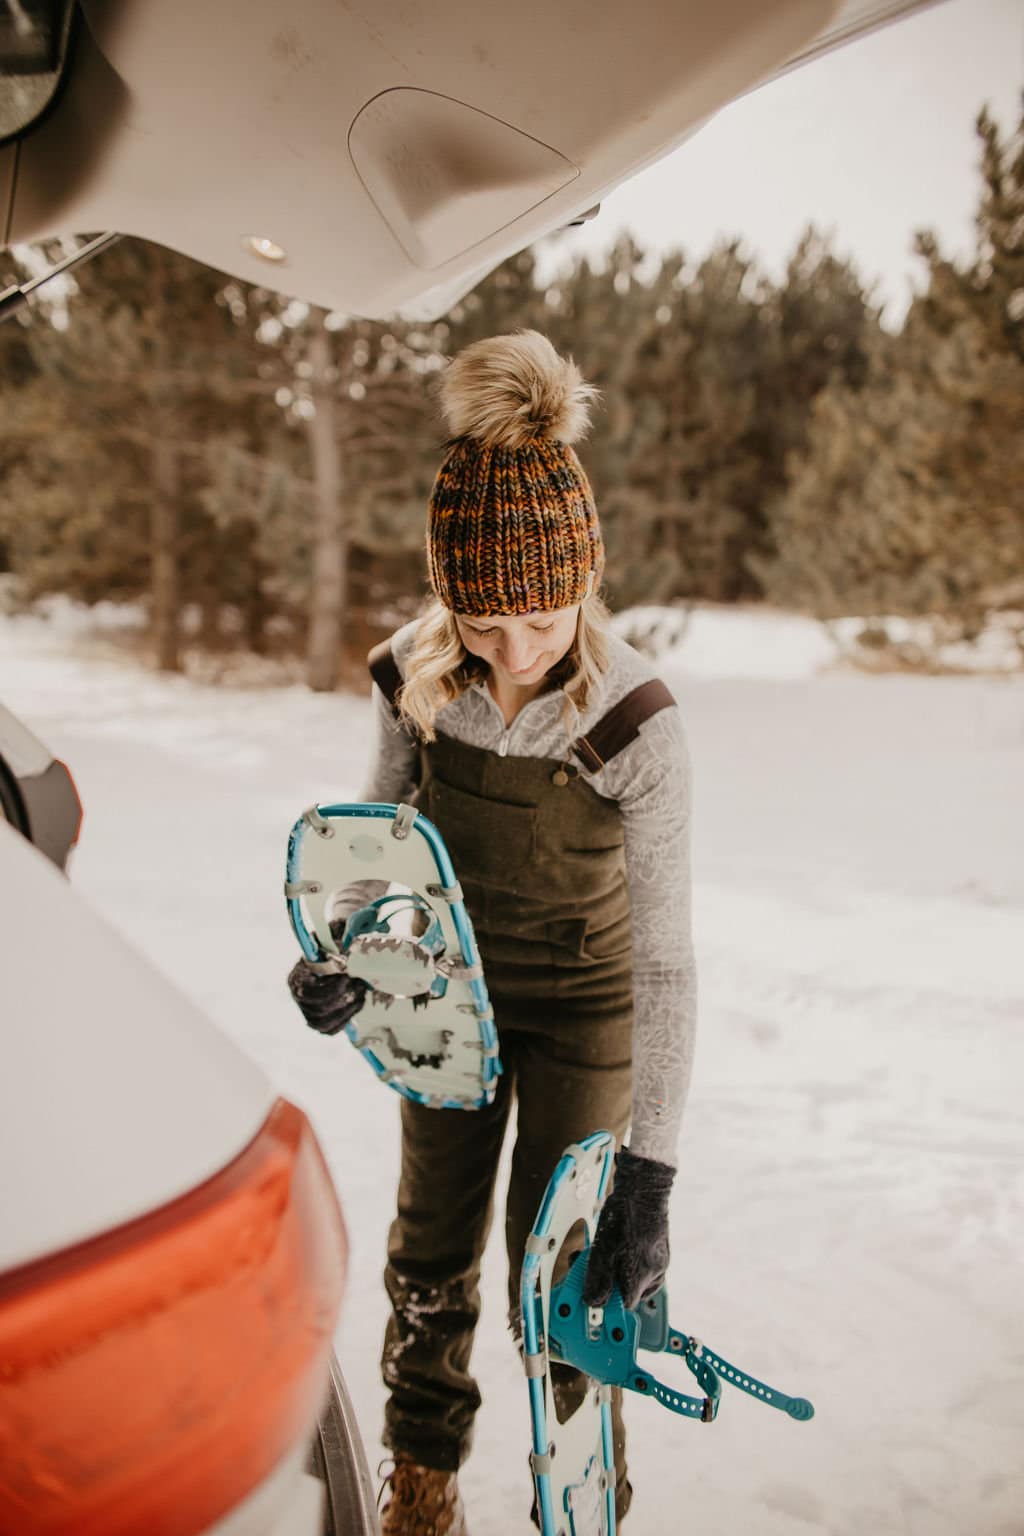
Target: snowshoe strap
x,y
797,1407
703,1408
621,725
710,1370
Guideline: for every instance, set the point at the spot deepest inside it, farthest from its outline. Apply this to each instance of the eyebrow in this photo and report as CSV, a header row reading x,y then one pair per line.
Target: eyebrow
x,y
534,618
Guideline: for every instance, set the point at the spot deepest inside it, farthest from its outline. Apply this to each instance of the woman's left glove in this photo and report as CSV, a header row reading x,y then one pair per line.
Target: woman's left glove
x,y
327,1002
327,999
630,1247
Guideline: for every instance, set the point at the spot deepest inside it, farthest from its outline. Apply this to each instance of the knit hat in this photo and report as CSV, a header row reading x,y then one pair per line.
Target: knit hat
x,y
512,526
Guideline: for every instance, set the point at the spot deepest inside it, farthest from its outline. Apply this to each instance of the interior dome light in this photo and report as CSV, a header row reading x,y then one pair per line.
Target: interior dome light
x,y
259,245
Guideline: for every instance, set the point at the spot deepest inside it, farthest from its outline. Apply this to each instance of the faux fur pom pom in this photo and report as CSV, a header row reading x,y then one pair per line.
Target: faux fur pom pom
x,y
505,390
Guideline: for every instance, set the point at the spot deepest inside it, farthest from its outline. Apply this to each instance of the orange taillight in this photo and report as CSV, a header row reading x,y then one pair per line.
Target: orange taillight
x,y
78,801
150,1378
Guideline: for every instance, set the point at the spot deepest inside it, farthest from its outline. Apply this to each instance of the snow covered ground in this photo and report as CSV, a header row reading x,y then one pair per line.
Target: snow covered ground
x,y
848,1216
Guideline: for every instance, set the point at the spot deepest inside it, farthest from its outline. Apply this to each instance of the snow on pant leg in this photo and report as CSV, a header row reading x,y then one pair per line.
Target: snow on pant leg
x,y
572,1079
445,1198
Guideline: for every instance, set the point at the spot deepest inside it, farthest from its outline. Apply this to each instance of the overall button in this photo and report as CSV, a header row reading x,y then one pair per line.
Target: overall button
x,y
560,777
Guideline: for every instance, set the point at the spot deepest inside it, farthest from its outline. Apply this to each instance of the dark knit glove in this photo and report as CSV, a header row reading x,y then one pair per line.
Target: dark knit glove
x,y
630,1247
327,1000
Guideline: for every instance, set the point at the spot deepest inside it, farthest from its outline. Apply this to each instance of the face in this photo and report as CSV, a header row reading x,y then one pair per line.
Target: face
x,y
521,648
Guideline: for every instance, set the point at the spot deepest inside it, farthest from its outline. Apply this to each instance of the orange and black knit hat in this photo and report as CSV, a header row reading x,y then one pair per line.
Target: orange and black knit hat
x,y
512,526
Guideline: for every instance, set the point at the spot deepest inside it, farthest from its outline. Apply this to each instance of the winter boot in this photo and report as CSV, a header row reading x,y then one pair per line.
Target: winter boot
x,y
423,1502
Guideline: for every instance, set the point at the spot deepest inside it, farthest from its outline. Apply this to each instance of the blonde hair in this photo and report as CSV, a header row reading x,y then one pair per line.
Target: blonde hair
x,y
439,667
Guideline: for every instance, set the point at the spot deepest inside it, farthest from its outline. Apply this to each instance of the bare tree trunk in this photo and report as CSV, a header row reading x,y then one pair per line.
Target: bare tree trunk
x,y
165,587
255,612
330,535
209,622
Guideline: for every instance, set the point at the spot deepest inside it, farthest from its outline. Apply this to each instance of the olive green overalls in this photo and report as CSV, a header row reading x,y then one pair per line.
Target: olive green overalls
x,y
540,857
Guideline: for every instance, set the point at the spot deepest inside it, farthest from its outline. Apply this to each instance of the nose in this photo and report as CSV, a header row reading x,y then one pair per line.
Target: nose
x,y
517,653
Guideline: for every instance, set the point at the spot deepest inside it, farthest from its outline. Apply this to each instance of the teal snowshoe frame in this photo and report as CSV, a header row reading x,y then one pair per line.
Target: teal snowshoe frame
x,y
427,1026
573,1463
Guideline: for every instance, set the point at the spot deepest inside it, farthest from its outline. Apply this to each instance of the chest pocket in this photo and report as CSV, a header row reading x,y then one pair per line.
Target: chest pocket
x,y
491,841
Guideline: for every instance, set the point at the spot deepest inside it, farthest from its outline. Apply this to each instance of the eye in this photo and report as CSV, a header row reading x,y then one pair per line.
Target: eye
x,y
543,629
489,631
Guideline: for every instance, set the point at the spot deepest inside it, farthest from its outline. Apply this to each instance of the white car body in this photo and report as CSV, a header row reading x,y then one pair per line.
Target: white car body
x,y
117,1099
111,1019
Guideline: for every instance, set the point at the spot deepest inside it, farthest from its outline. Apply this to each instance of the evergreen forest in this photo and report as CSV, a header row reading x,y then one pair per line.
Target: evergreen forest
x,y
253,471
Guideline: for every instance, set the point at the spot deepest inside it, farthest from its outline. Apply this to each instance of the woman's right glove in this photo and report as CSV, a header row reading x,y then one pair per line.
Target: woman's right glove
x,y
327,999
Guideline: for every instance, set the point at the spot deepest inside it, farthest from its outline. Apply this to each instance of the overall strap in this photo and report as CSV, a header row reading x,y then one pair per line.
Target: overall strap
x,y
621,724
385,673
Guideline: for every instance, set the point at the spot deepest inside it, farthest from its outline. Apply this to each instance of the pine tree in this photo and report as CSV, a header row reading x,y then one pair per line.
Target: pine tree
x,y
141,377
990,287
707,374
910,497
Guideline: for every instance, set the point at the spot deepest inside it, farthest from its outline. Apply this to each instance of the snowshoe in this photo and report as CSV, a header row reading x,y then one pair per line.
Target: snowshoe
x,y
427,1026
572,1463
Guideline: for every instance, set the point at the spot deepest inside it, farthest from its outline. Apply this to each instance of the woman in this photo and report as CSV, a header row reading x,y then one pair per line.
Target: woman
x,y
555,766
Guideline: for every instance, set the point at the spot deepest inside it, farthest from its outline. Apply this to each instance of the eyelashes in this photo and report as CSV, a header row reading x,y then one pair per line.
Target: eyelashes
x,y
540,629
